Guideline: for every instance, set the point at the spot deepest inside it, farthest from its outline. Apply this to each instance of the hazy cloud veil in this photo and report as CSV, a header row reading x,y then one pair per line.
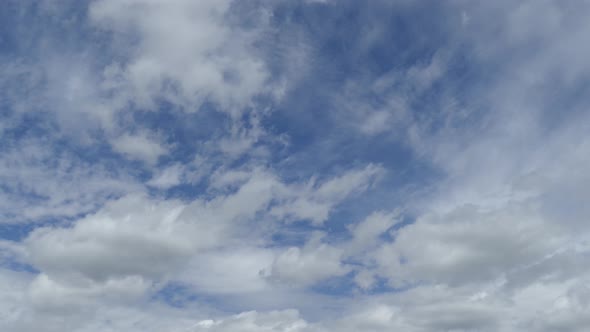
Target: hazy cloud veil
x,y
294,166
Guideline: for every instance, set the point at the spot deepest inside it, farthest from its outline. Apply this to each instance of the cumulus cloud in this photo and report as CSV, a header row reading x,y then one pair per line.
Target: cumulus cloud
x,y
185,52
135,244
461,248
308,265
131,237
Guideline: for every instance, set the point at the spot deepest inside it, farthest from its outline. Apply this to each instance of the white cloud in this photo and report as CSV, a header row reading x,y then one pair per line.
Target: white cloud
x,y
376,122
168,177
366,233
184,51
315,202
135,243
13,295
314,262
139,147
230,271
47,294
499,242
468,246
42,182
276,321
130,237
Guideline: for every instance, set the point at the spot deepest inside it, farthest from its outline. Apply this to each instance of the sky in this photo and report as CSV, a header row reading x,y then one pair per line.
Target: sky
x,y
294,166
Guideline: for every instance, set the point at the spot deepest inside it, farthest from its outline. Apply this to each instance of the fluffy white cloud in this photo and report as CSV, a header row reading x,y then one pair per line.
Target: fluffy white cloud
x,y
13,295
61,296
468,246
132,236
230,271
366,233
308,265
135,244
183,51
139,147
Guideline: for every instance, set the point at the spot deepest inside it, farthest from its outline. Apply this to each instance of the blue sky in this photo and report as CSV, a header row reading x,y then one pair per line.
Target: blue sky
x,y
294,165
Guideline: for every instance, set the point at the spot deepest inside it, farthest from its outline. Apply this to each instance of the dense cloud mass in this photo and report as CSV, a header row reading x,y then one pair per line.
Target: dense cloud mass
x,y
294,166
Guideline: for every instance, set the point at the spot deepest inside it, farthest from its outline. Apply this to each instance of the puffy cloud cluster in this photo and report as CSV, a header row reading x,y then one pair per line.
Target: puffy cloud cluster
x,y
184,51
135,245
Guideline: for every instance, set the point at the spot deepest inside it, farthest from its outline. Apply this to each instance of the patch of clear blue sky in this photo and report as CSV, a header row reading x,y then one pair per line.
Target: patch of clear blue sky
x,y
176,295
